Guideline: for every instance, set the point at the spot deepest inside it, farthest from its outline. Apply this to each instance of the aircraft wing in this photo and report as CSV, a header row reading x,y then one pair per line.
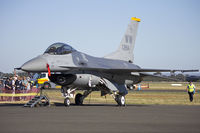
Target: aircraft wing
x,y
124,71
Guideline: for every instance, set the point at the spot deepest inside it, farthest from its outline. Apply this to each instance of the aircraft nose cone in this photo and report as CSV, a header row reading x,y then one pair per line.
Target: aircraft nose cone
x,y
37,64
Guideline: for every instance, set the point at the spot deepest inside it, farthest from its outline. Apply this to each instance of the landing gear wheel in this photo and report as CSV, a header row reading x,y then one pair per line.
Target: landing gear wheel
x,y
79,99
120,100
67,102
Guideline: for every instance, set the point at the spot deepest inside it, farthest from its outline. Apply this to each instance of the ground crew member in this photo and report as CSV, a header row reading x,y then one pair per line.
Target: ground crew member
x,y
191,90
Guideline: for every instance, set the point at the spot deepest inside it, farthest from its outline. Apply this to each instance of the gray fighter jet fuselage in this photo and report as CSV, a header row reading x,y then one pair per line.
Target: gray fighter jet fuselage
x,y
113,74
75,62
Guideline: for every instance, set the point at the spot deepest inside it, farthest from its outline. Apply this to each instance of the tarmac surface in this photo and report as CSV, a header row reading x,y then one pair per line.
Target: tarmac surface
x,y
98,118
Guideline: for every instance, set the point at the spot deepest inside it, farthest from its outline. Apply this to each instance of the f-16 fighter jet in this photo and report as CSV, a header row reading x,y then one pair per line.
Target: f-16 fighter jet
x,y
112,74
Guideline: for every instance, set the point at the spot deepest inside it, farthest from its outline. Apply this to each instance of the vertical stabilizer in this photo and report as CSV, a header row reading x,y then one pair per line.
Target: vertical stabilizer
x,y
125,50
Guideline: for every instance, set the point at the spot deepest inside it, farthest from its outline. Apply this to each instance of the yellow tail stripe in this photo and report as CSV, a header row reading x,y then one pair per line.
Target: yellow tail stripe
x,y
136,19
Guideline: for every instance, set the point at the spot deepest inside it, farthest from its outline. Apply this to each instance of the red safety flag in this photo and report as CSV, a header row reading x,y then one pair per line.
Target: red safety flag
x,y
49,71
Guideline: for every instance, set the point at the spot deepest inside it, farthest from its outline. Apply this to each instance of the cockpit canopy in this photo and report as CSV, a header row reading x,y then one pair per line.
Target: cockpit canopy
x,y
59,49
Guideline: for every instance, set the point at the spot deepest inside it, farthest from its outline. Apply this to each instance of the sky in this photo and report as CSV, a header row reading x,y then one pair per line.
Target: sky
x,y
168,35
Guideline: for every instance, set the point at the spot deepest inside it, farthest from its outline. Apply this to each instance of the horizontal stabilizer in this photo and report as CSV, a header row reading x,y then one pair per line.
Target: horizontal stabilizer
x,y
158,77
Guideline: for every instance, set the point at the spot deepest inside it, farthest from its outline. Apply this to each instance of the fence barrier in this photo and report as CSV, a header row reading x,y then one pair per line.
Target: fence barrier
x,y
18,95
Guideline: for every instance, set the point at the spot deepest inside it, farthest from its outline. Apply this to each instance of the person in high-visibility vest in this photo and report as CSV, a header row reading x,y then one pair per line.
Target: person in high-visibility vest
x,y
191,90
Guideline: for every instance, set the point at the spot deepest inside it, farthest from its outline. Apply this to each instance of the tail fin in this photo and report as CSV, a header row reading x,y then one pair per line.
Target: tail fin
x,y
125,50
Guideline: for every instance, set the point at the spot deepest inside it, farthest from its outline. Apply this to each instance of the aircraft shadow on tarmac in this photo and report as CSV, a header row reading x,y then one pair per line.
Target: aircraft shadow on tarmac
x,y
111,105
57,104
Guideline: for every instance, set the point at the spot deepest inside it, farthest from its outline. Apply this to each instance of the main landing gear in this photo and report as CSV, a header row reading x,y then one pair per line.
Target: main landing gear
x,y
121,101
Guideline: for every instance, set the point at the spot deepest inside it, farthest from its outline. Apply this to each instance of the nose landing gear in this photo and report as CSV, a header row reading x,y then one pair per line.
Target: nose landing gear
x,y
67,93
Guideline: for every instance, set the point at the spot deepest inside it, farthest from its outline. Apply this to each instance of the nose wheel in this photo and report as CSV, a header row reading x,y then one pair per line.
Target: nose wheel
x,y
67,102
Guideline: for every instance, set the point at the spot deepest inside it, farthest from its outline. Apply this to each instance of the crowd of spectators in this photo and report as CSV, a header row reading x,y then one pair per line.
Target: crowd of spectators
x,y
16,83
